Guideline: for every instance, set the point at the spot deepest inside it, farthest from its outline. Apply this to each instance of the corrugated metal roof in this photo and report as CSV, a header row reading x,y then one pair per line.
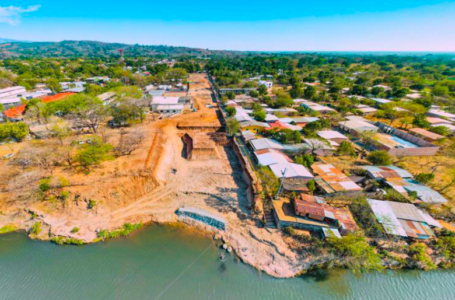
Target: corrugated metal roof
x,y
292,170
380,172
334,178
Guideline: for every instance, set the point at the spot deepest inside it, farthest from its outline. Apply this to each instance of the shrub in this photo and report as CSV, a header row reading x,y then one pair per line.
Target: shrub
x,y
441,130
45,185
93,154
356,253
311,185
424,177
418,253
365,218
16,131
231,111
379,158
75,230
8,228
36,229
346,148
91,204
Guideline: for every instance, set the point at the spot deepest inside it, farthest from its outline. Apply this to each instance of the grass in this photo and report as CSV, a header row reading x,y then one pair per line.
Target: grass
x,y
126,230
8,228
60,240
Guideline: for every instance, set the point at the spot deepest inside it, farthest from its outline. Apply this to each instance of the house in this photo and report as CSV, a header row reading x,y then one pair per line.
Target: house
x,y
248,135
366,110
169,104
316,107
156,93
439,113
57,97
403,219
15,114
253,126
385,172
332,135
426,135
330,180
107,97
237,91
290,170
269,157
402,181
264,143
399,143
380,101
356,127
267,84
312,213
303,121
13,92
438,121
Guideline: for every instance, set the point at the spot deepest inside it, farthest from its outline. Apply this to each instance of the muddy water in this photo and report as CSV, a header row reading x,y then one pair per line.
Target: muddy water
x,y
170,263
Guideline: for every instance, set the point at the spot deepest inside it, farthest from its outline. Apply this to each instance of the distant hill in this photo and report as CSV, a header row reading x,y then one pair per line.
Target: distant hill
x,y
10,49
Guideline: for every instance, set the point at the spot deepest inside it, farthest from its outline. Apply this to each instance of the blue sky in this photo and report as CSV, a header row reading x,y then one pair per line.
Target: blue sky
x,y
330,25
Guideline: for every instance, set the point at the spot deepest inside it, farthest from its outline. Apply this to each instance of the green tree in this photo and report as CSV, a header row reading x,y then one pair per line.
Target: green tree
x,y
441,130
231,111
16,131
424,177
233,126
93,153
311,186
346,148
379,158
356,253
54,85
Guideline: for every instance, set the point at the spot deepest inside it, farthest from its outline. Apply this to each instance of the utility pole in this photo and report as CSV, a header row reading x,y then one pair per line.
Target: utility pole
x,y
283,173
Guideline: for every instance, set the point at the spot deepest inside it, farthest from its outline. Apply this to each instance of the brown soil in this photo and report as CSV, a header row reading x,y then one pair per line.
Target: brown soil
x,y
150,185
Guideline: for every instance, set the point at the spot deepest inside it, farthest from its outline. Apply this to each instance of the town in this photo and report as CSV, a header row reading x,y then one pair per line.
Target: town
x,y
293,161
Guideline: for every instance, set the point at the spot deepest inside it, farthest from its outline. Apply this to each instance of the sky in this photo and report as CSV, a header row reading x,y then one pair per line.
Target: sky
x,y
324,25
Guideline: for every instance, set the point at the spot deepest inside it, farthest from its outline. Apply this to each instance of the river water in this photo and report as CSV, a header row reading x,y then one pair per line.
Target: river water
x,y
173,263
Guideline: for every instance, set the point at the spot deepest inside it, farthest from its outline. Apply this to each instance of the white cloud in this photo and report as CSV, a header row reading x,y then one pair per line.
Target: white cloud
x,y
12,14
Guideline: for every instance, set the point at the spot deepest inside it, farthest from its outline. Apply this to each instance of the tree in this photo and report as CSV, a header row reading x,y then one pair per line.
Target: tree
x,y
231,111
421,121
93,153
129,142
128,92
262,90
311,185
230,95
310,92
441,130
356,253
424,177
259,114
54,85
233,126
305,160
346,148
60,130
88,113
270,183
379,158
16,131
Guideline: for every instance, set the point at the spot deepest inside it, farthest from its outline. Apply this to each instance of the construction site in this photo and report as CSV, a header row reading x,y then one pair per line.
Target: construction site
x,y
184,161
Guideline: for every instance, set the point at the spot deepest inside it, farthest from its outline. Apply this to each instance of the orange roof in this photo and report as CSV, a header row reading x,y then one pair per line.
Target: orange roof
x,y
15,111
277,124
57,97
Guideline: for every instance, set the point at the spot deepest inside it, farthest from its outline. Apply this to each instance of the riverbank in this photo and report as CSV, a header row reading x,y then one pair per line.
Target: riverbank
x,y
154,259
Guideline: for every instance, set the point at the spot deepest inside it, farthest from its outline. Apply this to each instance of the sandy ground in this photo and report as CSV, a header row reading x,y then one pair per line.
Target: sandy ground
x,y
143,187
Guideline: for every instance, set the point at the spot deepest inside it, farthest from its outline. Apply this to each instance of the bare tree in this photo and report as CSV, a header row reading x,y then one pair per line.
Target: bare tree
x,y
90,115
129,142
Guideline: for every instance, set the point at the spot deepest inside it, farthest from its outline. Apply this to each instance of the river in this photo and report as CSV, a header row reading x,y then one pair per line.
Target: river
x,y
165,263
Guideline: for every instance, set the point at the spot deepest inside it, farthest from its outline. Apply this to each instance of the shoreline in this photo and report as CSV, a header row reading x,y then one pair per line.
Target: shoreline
x,y
301,267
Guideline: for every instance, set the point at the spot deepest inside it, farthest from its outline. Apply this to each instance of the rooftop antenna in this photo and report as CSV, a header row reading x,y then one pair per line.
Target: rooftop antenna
x,y
283,173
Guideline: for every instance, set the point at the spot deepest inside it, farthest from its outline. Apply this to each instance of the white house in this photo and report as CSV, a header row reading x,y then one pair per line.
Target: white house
x,y
268,84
